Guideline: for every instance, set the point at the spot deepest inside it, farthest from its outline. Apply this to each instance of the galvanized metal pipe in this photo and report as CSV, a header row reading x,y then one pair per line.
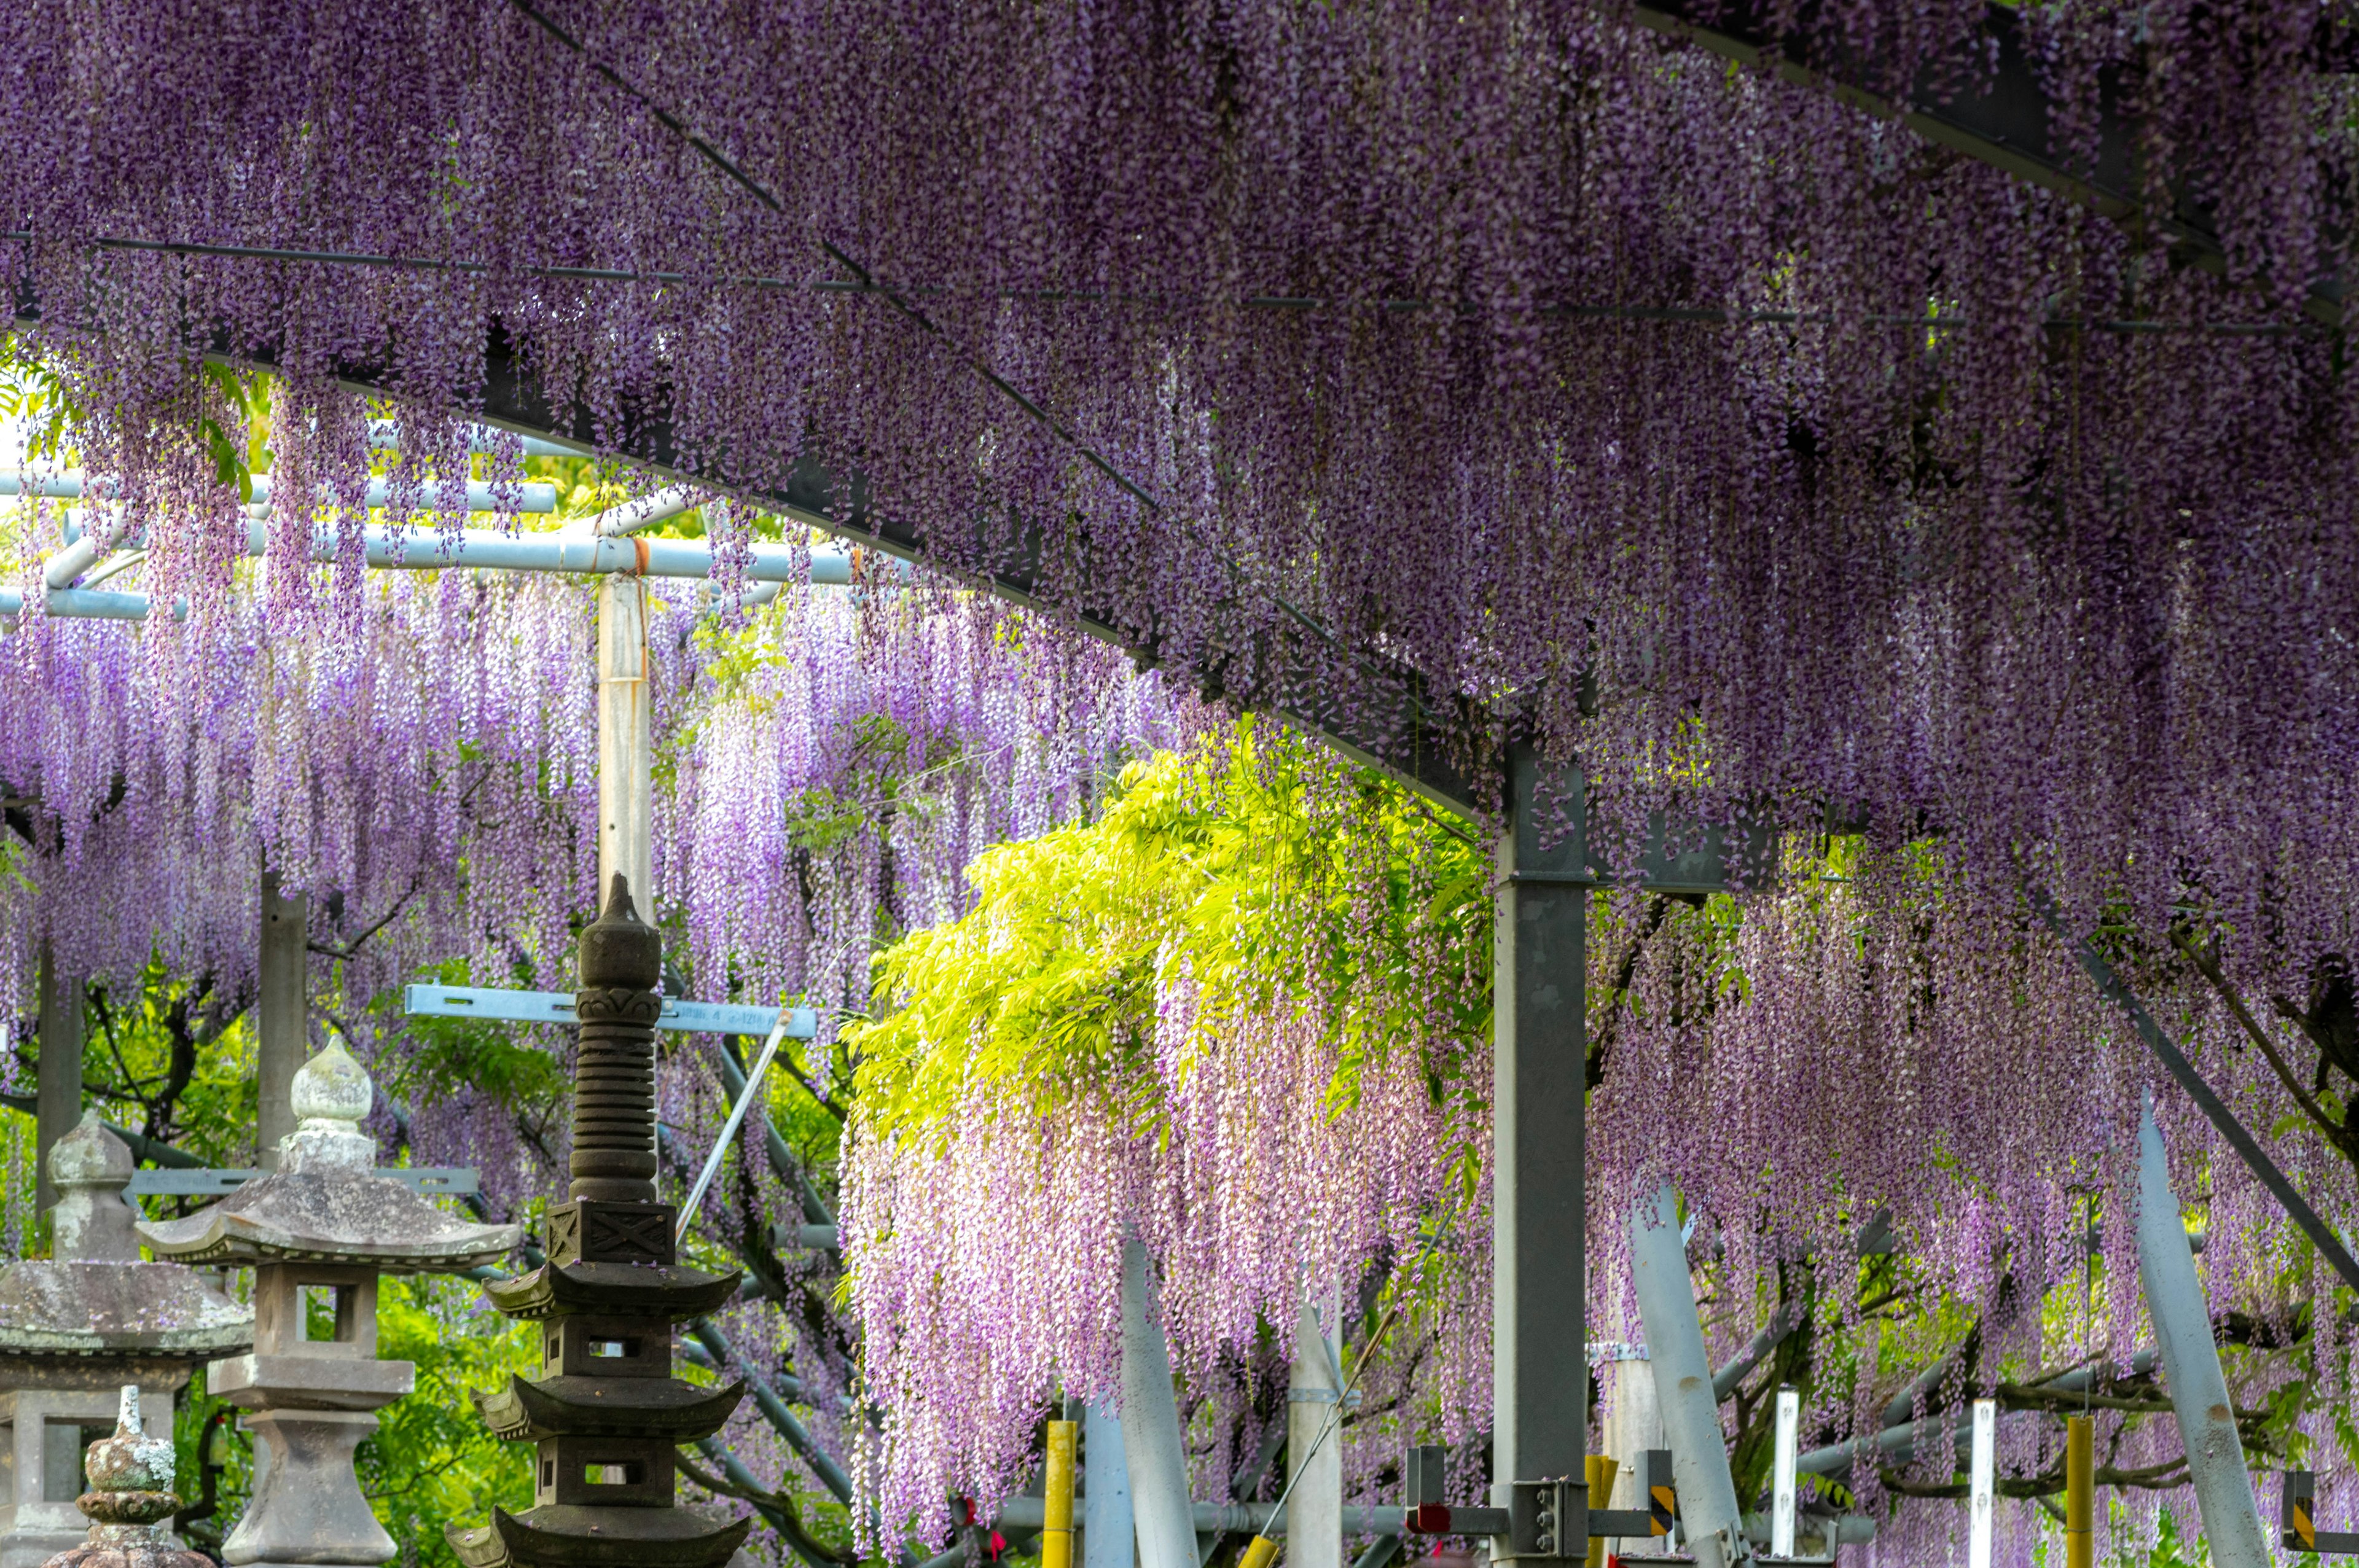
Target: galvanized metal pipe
x,y
1150,1424
1314,1508
431,495
1658,1265
2191,1366
1109,1537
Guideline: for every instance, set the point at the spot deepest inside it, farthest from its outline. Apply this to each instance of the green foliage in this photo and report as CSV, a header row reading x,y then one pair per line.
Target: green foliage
x,y
433,1462
1264,869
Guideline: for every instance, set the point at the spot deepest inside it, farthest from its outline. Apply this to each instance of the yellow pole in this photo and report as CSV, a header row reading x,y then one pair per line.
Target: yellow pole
x,y
1258,1552
2080,1492
1057,1521
1602,1469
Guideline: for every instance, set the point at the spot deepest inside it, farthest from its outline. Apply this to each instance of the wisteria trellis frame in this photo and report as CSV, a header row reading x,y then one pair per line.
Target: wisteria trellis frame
x,y
1994,110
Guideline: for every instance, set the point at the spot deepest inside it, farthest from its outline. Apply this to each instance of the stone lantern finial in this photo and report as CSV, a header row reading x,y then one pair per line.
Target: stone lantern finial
x,y
130,1497
332,1093
93,1220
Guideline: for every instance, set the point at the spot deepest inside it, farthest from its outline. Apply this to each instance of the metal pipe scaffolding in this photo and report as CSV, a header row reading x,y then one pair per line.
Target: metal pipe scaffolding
x,y
431,495
484,549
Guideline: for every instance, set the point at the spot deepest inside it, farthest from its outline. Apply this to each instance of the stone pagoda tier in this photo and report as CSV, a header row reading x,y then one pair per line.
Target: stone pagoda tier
x,y
606,1412
130,1498
323,1225
76,1328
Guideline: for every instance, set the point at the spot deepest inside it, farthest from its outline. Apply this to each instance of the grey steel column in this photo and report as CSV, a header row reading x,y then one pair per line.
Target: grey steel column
x,y
1539,1324
282,1016
2191,1366
58,1106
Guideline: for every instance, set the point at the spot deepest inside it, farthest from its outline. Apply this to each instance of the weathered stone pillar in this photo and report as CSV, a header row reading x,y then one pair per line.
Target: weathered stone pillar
x,y
606,1412
58,1090
282,1015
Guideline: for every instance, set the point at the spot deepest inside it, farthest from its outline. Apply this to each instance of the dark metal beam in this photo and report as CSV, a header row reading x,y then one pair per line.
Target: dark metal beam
x,y
1992,108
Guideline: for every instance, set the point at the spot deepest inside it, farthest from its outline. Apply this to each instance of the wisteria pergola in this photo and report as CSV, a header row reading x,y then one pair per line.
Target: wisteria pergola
x,y
1989,98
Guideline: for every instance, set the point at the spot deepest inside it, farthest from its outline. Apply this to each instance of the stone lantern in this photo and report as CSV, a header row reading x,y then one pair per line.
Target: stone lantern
x,y
318,1231
75,1328
607,1412
130,1497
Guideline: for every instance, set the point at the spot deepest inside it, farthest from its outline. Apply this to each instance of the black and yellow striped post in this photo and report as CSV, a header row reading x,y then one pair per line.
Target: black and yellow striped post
x,y
2080,1492
1662,1502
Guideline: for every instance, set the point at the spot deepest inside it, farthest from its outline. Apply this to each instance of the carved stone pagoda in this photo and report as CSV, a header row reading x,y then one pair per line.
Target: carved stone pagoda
x,y
130,1498
76,1328
606,1412
318,1231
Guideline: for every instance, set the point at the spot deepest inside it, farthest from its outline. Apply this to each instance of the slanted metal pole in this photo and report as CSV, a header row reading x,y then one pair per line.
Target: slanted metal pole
x,y
58,1105
282,1020
1659,1267
1109,1537
626,835
2191,1366
1539,1208
1314,1508
1150,1424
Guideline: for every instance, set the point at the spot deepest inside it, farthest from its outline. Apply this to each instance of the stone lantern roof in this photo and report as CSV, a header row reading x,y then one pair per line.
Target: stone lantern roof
x,y
95,1298
325,1203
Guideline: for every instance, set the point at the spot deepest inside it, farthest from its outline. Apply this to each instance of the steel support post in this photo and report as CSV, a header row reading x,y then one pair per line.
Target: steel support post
x,y
1314,1509
1540,1317
282,1015
2191,1366
1152,1448
1109,1538
1708,1517
625,812
58,1105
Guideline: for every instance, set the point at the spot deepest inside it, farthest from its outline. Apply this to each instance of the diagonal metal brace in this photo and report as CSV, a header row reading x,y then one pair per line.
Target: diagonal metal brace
x,y
2248,1147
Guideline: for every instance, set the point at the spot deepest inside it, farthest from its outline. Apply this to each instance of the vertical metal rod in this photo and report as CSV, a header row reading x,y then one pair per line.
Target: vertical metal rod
x,y
1981,1478
2191,1366
1057,1497
2080,1492
1658,1268
1314,1508
58,1105
1781,1481
1109,1538
1540,1427
1160,1507
282,1015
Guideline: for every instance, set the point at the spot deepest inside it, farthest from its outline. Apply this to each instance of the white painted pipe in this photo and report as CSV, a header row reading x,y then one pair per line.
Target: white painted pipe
x,y
1982,1484
1151,1444
430,495
1109,1538
2191,1366
1314,1508
60,569
1782,1506
1708,1512
647,511
625,752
